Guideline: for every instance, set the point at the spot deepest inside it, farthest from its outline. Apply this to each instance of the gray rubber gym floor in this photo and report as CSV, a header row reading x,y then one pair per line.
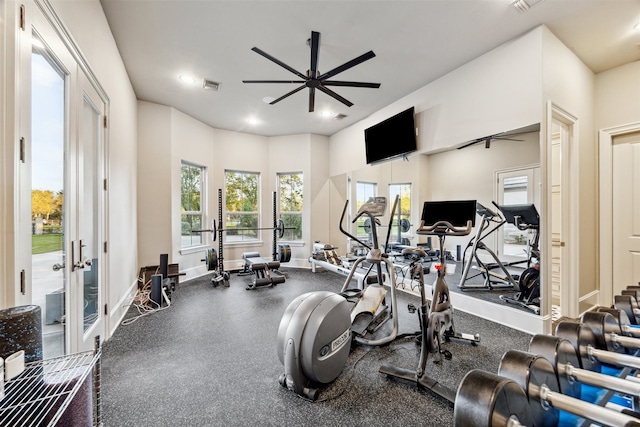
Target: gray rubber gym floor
x,y
210,360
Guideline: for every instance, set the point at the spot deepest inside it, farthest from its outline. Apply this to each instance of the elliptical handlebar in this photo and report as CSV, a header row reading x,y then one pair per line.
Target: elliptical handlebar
x,y
374,220
345,232
444,228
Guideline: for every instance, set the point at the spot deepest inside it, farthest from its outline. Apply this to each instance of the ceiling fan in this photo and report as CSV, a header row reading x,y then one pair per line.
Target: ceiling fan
x,y
503,136
313,79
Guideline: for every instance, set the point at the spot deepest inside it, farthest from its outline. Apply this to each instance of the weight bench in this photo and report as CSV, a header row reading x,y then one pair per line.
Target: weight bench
x,y
262,270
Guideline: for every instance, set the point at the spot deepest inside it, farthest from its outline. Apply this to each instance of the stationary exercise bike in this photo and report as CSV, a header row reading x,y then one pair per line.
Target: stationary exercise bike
x,y
525,218
315,332
441,219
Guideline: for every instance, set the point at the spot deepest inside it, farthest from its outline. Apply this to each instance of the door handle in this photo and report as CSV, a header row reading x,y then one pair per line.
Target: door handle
x,y
58,266
79,263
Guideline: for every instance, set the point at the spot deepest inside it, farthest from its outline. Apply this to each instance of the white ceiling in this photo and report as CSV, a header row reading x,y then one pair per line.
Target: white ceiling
x,y
415,42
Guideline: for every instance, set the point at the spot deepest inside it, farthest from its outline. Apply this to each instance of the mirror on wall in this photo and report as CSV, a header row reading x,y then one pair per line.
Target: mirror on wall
x,y
500,170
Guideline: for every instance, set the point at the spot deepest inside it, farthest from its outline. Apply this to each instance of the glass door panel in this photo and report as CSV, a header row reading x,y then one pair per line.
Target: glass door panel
x,y
89,214
48,260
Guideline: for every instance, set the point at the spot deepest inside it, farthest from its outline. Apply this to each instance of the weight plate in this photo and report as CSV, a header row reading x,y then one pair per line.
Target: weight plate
x,y
485,399
211,258
559,352
603,325
530,371
581,337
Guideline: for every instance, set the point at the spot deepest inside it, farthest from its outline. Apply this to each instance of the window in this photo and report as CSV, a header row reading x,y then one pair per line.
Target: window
x,y
191,218
242,195
291,203
403,210
364,190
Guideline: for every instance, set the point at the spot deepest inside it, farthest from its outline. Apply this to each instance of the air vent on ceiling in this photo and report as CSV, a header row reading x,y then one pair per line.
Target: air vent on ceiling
x,y
339,116
210,85
524,5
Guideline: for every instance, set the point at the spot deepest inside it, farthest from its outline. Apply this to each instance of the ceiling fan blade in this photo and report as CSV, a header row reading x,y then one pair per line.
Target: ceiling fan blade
x,y
335,95
280,63
360,59
315,45
470,143
312,99
350,84
298,89
273,81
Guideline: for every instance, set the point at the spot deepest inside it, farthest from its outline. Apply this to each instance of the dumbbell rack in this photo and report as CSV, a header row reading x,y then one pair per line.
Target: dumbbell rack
x,y
32,401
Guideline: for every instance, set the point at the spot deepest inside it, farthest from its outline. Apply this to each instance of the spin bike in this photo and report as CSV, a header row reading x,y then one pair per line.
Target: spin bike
x,y
441,219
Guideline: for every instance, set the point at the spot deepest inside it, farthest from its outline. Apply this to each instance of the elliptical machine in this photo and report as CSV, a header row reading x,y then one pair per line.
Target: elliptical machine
x,y
441,219
370,309
315,332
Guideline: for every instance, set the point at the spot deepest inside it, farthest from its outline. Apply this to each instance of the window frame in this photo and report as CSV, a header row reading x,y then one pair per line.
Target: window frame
x,y
242,237
360,200
200,212
296,234
395,231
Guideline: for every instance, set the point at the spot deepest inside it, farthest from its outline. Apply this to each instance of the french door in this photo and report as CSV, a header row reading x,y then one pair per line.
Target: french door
x,y
65,154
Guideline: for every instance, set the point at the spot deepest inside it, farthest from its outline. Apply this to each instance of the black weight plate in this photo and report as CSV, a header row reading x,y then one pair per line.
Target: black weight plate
x,y
620,316
559,352
485,399
580,336
530,371
626,303
603,324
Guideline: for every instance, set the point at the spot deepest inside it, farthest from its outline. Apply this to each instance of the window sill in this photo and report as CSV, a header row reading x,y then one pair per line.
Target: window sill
x,y
193,249
293,243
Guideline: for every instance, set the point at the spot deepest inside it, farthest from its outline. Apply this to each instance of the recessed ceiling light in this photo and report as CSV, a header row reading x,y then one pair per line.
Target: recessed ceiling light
x,y
268,99
326,113
188,79
252,121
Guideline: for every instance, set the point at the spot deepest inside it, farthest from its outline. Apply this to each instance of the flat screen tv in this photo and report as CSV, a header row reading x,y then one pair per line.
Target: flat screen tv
x,y
391,138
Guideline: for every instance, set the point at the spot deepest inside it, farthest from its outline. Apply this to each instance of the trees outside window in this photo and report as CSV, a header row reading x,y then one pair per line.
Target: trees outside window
x,y
242,206
191,203
364,191
403,210
290,194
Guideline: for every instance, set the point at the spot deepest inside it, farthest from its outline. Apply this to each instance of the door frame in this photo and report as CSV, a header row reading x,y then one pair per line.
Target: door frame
x,y
605,151
569,274
59,35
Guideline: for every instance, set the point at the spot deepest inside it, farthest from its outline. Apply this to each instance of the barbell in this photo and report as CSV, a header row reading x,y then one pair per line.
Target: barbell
x,y
405,225
279,229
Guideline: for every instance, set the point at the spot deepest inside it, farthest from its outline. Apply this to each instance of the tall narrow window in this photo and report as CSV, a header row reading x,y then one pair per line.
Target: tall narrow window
x,y
191,203
403,210
291,203
364,190
242,196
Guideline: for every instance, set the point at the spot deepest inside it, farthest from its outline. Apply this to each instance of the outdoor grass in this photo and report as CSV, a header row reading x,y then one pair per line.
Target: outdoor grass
x,y
43,243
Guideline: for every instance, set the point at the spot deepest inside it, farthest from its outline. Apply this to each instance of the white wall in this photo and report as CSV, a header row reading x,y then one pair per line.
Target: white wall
x,y
617,96
569,84
153,183
496,92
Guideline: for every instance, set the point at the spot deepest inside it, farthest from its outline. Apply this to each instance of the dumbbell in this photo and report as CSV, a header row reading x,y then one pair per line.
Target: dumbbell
x,y
585,343
536,376
627,301
576,382
486,399
610,333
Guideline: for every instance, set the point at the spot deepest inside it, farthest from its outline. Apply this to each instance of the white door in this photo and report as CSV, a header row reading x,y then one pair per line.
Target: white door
x,y
626,211
65,156
88,297
516,187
